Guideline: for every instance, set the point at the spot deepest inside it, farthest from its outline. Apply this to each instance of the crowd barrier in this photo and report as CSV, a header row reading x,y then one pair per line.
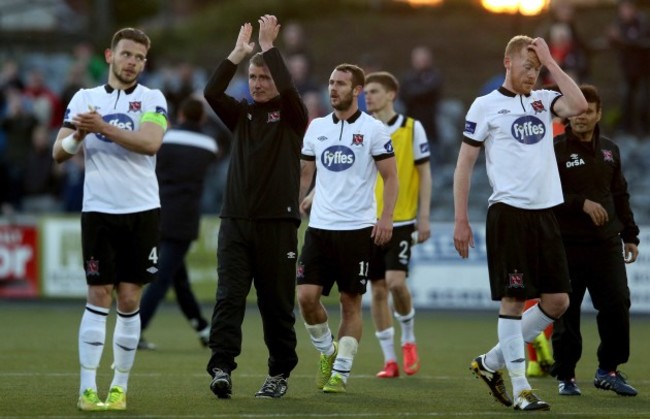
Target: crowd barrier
x,y
42,259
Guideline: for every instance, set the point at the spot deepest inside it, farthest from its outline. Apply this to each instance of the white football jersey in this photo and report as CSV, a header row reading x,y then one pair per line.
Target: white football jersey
x,y
517,132
117,181
346,172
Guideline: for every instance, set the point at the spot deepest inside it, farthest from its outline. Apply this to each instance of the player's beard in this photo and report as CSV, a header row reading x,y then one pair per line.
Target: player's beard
x,y
122,79
344,103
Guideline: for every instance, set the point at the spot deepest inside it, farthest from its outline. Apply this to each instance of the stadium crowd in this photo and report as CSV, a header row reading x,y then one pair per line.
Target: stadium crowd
x,y
35,90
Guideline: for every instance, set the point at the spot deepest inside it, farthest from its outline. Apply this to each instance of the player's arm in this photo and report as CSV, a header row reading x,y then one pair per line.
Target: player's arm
x,y
424,202
146,140
463,238
67,144
572,102
383,230
307,170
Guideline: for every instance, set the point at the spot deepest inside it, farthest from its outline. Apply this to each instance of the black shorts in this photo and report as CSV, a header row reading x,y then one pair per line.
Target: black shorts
x,y
393,256
336,256
525,253
120,247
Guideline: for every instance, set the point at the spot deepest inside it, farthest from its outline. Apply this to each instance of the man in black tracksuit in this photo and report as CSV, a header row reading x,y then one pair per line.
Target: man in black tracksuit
x,y
181,165
600,236
260,215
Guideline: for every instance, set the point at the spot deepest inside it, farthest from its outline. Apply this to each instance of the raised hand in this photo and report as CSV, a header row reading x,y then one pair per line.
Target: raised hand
x,y
269,29
243,45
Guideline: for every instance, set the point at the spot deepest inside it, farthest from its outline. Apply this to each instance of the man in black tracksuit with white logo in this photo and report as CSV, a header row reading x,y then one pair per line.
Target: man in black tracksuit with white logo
x,y
600,236
260,216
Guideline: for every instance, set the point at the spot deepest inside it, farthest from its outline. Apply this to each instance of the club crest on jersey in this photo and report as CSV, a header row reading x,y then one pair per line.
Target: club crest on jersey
x,y
357,139
92,267
528,129
608,155
135,106
273,116
516,280
389,146
538,107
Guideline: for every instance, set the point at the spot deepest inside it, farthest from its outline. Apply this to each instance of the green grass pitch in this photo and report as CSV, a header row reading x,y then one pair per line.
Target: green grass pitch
x,y
39,371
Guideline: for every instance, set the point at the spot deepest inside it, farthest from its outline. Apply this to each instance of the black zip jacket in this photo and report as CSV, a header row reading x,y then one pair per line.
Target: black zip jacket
x,y
592,171
264,173
181,170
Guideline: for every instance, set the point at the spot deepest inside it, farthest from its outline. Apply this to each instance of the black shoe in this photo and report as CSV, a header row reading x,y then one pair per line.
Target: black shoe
x,y
569,388
221,385
273,388
614,381
145,345
493,379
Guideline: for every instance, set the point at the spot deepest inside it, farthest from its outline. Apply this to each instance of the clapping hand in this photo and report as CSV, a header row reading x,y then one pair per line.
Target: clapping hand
x,y
269,29
243,45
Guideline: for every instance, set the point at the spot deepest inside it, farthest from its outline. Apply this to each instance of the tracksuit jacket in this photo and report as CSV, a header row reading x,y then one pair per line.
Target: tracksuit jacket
x,y
593,171
262,133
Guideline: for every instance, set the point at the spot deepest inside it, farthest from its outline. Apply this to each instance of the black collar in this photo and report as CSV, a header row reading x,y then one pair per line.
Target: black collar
x,y
110,89
350,120
508,93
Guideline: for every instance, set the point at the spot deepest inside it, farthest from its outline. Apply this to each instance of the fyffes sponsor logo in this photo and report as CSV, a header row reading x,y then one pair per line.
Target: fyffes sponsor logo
x,y
528,130
337,158
119,120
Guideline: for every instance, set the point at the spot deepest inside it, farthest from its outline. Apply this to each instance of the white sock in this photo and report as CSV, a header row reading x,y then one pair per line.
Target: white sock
x,y
343,362
92,335
125,344
511,342
408,326
494,358
321,337
385,338
533,322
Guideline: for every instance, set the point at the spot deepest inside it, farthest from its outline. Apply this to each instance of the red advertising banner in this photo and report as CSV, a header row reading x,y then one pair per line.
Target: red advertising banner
x,y
18,261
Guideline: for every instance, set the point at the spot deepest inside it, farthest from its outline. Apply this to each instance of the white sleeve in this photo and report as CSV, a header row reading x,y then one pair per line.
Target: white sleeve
x,y
380,141
78,104
307,143
476,126
420,142
155,103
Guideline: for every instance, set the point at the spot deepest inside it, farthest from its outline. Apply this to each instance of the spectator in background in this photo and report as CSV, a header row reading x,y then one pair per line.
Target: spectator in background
x,y
41,183
181,166
311,92
92,65
566,52
630,36
18,124
46,104
565,43
179,87
294,41
421,89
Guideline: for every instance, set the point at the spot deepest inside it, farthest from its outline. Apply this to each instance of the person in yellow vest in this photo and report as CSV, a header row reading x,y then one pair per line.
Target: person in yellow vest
x,y
389,263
